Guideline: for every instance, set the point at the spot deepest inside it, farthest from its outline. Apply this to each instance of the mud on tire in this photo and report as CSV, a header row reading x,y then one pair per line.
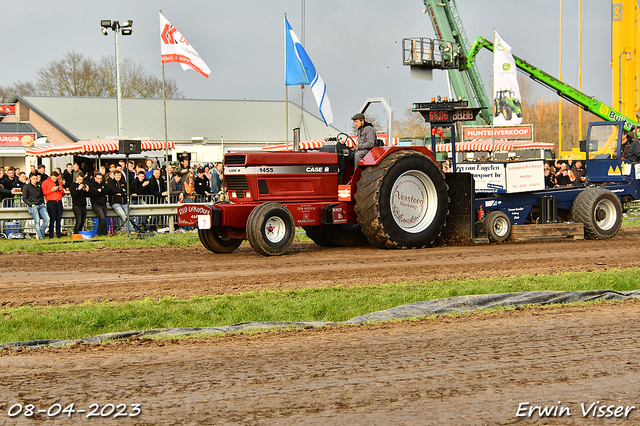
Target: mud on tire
x,y
600,211
402,202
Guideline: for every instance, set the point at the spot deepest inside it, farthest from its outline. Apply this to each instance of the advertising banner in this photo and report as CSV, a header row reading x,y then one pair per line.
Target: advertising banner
x,y
17,139
489,177
507,105
524,132
525,176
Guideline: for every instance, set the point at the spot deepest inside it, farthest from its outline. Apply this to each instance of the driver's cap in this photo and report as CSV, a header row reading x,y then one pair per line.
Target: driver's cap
x,y
358,116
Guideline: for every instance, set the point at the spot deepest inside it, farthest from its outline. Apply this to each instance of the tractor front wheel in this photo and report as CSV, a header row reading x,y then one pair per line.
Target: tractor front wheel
x,y
217,240
271,229
508,114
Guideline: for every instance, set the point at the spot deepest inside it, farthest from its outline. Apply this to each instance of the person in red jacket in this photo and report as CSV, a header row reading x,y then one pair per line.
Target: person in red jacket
x,y
53,191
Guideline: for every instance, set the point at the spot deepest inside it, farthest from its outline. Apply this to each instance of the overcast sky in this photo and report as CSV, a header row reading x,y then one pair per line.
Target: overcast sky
x,y
354,44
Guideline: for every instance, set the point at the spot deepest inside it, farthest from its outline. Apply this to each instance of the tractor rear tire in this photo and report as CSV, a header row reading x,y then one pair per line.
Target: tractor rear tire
x,y
271,229
403,201
498,226
600,211
217,240
347,235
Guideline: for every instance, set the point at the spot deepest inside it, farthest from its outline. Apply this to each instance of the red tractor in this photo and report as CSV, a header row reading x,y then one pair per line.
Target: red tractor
x,y
396,198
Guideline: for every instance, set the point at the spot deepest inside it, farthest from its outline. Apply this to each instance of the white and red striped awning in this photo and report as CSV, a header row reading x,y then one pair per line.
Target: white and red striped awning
x,y
94,147
480,145
532,145
304,145
488,145
319,143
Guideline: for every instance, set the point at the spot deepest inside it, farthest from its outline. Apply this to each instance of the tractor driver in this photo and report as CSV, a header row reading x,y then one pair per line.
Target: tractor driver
x,y
365,138
631,149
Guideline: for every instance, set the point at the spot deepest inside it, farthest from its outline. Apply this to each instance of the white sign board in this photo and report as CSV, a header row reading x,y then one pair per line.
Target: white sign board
x,y
204,221
488,177
525,176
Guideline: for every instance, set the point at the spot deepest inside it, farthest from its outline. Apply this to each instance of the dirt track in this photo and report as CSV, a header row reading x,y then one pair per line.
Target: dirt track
x,y
470,370
130,274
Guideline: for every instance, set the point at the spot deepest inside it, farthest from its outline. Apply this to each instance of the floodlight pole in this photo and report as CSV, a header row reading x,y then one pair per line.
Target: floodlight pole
x,y
118,88
116,28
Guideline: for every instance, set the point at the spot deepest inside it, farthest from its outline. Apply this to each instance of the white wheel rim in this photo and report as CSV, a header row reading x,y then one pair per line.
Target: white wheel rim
x,y
610,214
501,226
275,229
414,201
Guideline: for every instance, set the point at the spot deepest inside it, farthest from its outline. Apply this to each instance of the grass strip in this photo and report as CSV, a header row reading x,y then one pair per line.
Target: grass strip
x,y
321,304
115,241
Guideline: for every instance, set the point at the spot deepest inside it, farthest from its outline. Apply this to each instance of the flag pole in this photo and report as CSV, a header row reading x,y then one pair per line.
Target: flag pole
x,y
164,107
286,113
286,89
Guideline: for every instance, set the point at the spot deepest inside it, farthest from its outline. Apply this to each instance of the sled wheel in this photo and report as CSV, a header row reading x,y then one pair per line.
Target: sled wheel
x,y
270,229
402,202
600,211
217,240
498,226
347,235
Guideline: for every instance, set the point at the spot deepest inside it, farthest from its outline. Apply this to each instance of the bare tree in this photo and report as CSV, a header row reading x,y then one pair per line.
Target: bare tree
x,y
9,93
77,75
134,80
413,126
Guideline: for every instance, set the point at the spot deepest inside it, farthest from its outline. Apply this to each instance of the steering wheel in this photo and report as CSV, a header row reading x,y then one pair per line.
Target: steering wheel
x,y
348,137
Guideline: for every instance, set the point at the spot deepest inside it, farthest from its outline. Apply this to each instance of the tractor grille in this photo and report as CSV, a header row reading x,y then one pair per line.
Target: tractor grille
x,y
237,183
234,160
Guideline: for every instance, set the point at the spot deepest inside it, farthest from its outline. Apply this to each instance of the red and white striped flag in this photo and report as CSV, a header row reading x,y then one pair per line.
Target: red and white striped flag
x,y
175,48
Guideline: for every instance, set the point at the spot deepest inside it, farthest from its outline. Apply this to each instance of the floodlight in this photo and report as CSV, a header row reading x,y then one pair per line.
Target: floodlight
x,y
127,24
105,31
127,31
105,23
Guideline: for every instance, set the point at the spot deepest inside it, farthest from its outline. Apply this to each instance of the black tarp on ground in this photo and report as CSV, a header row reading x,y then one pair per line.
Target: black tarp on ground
x,y
457,304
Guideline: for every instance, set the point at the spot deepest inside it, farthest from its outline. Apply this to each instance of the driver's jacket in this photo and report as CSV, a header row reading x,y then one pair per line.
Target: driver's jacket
x,y
366,137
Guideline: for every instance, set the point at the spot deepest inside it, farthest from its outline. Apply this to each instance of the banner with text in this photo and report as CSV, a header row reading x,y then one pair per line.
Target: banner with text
x,y
488,177
524,132
17,139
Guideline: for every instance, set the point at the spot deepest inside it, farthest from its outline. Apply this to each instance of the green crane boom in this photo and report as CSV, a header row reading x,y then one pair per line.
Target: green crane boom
x,y
588,103
448,26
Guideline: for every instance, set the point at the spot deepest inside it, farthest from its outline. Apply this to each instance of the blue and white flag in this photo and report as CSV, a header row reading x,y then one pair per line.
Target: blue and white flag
x,y
300,70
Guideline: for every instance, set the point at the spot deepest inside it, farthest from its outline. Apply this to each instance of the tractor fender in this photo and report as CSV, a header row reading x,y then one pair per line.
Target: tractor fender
x,y
377,154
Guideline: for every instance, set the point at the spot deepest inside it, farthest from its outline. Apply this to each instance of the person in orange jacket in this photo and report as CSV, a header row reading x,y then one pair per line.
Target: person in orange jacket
x,y
53,192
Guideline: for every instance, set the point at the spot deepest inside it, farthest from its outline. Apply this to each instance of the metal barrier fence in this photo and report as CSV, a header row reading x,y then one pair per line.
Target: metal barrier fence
x,y
145,211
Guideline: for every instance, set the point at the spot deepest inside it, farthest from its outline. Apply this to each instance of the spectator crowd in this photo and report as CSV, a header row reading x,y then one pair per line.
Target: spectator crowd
x,y
564,173
106,187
